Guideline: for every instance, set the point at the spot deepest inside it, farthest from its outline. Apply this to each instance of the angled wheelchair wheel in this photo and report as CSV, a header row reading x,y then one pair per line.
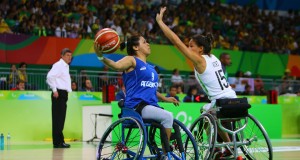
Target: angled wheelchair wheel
x,y
182,145
258,145
204,130
124,139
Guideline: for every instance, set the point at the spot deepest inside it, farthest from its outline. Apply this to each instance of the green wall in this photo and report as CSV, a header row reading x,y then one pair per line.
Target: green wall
x,y
265,64
27,115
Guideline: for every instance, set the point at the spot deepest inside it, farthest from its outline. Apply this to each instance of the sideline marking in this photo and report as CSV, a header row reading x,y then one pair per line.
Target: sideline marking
x,y
286,148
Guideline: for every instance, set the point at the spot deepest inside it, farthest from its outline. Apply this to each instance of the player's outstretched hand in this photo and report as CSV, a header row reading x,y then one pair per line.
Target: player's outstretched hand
x,y
159,16
173,100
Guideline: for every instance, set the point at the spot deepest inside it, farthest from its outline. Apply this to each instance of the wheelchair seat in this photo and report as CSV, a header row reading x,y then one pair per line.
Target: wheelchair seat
x,y
232,108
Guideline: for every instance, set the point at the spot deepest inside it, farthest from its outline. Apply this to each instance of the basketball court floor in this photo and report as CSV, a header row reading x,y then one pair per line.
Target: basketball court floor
x,y
283,149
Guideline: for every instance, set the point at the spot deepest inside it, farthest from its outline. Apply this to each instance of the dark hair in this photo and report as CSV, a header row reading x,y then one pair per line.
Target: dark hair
x,y
130,43
20,81
76,85
74,82
22,64
189,93
205,41
247,86
173,86
174,70
223,55
64,51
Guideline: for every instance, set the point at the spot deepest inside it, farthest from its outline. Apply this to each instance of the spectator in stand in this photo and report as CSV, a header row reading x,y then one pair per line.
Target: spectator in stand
x,y
74,23
173,93
74,33
287,75
261,92
247,90
286,86
191,94
13,76
60,31
258,86
225,61
116,26
4,28
239,74
247,74
22,75
176,78
86,30
40,29
179,90
82,77
20,86
74,86
96,26
88,87
126,32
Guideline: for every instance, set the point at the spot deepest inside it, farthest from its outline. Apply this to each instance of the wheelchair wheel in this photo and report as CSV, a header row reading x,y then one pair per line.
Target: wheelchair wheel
x,y
124,139
258,143
204,130
182,147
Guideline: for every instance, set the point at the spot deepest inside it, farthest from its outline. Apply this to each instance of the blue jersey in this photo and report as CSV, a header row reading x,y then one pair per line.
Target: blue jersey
x,y
141,84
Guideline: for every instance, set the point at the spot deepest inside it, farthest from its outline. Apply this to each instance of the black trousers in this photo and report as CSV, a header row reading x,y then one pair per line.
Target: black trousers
x,y
59,109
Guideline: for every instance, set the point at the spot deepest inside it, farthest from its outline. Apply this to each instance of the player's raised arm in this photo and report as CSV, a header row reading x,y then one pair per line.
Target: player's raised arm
x,y
195,58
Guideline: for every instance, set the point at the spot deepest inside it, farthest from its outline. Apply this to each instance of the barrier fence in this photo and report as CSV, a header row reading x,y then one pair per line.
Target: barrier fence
x,y
36,80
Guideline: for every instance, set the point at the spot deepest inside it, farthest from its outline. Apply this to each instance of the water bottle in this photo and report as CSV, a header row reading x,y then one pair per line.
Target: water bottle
x,y
192,98
1,141
8,141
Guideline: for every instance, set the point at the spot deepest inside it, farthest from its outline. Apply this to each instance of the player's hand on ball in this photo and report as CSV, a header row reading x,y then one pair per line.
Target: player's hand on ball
x,y
98,49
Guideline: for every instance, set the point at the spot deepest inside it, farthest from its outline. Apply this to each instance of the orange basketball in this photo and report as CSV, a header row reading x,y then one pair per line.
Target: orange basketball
x,y
108,39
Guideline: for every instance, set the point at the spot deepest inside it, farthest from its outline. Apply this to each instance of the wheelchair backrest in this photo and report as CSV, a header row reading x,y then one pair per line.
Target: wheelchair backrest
x,y
232,108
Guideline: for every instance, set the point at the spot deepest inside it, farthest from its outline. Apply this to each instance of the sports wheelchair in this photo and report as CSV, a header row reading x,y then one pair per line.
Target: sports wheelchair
x,y
248,136
128,137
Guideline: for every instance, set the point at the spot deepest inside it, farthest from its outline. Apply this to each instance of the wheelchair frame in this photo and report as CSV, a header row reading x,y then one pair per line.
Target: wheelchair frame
x,y
204,130
130,124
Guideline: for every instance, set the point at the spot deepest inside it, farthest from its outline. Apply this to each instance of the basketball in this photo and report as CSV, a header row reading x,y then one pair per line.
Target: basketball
x,y
108,39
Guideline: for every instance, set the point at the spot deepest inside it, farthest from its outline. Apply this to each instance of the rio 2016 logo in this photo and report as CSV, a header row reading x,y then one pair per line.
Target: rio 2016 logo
x,y
186,119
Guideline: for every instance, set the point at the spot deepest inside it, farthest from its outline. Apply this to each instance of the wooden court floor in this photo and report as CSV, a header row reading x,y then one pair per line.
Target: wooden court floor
x,y
284,149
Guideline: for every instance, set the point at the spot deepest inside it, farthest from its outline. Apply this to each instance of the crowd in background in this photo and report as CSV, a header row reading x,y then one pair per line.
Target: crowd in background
x,y
235,27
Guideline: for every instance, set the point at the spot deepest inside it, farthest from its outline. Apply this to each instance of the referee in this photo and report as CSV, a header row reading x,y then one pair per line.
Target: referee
x,y
59,80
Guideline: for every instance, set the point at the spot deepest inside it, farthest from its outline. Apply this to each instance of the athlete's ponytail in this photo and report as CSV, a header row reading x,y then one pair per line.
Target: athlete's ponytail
x,y
131,41
205,41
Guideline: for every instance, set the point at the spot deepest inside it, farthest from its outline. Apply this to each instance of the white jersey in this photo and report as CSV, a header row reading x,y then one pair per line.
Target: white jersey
x,y
213,80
